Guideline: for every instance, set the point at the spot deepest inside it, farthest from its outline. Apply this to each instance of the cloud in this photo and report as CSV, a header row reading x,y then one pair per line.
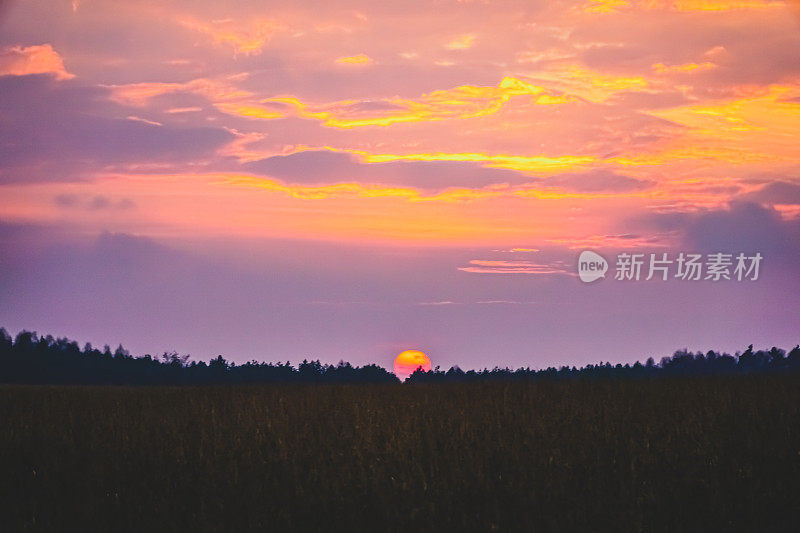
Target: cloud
x,y
605,6
596,181
37,59
436,172
462,42
144,120
140,94
360,59
616,241
775,193
96,202
505,302
714,5
326,167
592,84
648,100
740,227
75,131
525,163
245,38
174,110
755,47
456,103
661,68
483,266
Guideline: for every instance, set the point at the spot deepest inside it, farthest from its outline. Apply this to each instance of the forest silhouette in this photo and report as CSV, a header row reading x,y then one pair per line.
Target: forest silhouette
x,y
33,359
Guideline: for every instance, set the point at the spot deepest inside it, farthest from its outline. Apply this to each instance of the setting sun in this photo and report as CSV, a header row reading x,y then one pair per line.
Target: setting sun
x,y
408,361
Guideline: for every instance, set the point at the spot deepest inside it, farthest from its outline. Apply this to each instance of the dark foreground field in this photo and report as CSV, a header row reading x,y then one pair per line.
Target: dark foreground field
x,y
662,455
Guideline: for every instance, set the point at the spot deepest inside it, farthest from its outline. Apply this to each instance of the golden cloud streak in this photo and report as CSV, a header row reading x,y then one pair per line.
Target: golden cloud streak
x,y
661,68
713,5
766,124
614,6
360,59
463,102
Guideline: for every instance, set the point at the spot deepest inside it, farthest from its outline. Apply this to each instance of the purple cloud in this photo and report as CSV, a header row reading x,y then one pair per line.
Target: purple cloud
x,y
322,166
57,131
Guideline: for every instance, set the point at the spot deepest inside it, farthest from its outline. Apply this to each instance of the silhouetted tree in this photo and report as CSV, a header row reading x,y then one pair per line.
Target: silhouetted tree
x,y
29,358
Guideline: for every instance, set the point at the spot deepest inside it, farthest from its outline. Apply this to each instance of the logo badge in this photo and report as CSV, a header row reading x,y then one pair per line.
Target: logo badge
x,y
591,266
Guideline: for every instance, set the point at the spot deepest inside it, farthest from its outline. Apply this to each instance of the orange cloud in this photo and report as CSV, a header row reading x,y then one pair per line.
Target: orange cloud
x,y
713,5
458,103
683,150
462,42
538,164
480,266
360,59
661,68
355,189
248,111
36,59
689,149
763,126
452,195
246,40
588,83
604,6
541,165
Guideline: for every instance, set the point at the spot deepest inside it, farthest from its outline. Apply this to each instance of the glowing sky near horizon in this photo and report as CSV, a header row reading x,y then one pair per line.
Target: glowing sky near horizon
x,y
464,140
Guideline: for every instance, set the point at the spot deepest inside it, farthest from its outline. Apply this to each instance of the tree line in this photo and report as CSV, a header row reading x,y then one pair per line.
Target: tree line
x,y
681,363
33,359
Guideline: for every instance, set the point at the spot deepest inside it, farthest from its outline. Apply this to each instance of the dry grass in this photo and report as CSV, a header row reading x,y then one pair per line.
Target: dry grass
x,y
662,455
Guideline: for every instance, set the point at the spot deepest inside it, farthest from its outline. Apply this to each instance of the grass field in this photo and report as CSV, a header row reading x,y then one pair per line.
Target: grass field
x,y
663,455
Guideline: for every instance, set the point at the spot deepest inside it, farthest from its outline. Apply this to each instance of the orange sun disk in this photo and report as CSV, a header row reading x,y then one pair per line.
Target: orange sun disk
x,y
408,361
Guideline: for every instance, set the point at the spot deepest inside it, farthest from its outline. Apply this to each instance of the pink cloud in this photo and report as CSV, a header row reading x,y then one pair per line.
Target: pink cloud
x,y
480,266
36,59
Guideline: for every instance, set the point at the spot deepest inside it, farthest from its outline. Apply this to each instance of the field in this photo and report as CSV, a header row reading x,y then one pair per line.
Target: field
x,y
668,454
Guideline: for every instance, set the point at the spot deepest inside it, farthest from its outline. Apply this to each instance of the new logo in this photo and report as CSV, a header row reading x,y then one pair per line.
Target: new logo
x,y
591,266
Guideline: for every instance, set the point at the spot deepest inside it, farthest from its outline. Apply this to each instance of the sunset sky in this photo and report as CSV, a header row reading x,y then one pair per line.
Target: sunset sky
x,y
347,180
